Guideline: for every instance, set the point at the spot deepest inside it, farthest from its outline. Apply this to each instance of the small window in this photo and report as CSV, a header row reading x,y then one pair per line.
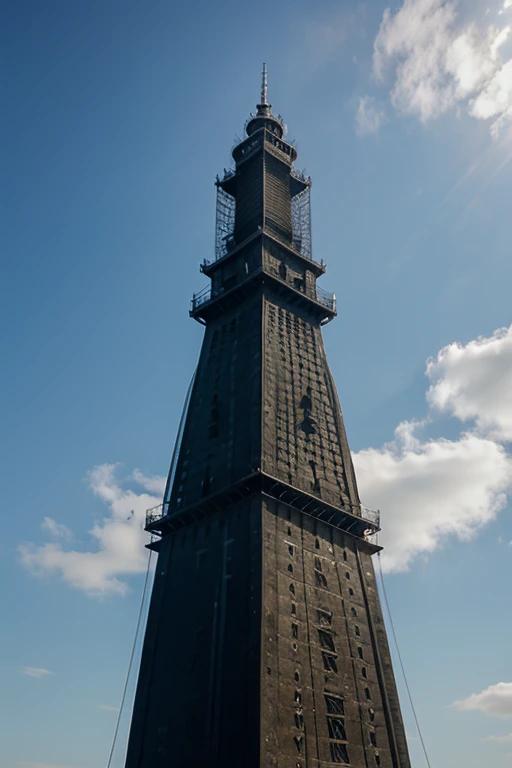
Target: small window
x,y
299,719
363,672
353,612
351,591
292,588
339,753
294,609
296,677
295,631
298,697
318,564
373,738
344,554
360,652
367,693
290,568
358,631
371,714
289,531
329,662
326,640
335,704
291,550
298,742
347,575
324,618
320,580
298,283
377,759
317,543
336,728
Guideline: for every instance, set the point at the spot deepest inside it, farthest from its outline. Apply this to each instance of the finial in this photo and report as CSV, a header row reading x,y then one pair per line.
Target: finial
x,y
264,95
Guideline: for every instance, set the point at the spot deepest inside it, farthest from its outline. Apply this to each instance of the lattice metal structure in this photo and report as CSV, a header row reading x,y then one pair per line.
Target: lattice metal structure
x,y
301,223
224,222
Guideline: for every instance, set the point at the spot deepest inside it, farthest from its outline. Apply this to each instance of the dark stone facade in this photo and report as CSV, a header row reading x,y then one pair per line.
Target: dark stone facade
x,y
265,644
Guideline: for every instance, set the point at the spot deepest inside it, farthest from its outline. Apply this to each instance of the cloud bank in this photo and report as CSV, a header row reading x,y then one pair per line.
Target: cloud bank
x,y
438,62
119,538
430,489
495,701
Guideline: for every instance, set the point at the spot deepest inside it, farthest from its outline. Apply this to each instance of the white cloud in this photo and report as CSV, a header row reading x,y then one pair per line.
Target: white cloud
x,y
495,701
369,117
474,382
154,484
108,708
507,739
36,671
119,538
56,530
439,63
430,490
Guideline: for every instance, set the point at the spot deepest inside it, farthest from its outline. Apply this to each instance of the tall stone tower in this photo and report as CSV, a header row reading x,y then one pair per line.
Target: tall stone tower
x,y
265,645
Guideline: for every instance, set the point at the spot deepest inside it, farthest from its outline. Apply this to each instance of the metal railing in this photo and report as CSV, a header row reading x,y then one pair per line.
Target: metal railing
x,y
371,516
300,175
156,513
201,298
325,298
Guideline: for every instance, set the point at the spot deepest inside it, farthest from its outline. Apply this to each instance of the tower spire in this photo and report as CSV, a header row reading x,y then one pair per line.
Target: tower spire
x,y
264,86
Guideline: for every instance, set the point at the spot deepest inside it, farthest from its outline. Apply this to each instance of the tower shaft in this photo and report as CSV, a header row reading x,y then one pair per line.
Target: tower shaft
x,y
265,643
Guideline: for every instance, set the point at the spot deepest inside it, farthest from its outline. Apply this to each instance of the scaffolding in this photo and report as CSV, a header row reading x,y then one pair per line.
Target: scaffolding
x,y
224,223
301,223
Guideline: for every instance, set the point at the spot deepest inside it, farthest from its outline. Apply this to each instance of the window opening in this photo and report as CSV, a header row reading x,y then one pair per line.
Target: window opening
x,y
324,618
339,753
329,662
326,640
336,728
320,580
335,704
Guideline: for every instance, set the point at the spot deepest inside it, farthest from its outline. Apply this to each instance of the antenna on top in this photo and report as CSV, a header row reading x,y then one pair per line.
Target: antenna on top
x,y
264,84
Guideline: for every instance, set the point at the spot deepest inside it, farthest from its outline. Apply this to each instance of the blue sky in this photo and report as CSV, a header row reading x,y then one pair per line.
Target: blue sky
x,y
118,116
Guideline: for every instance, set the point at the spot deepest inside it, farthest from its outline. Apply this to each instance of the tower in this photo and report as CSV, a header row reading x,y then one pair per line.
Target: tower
x,y
265,644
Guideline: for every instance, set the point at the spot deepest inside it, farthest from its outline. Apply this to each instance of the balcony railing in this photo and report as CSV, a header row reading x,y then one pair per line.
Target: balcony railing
x,y
156,513
325,298
372,516
201,298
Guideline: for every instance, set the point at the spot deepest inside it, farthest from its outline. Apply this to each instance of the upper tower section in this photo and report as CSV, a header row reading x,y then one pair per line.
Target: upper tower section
x,y
263,182
263,223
